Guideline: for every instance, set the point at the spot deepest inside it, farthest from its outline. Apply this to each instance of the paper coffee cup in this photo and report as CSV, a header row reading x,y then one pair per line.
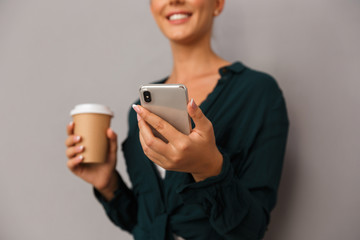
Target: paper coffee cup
x,y
91,123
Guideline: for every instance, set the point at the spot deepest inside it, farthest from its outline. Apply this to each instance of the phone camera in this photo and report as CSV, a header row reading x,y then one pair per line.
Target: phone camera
x,y
147,96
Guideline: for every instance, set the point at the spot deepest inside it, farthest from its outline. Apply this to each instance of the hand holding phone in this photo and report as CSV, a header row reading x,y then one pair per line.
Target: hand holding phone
x,y
194,153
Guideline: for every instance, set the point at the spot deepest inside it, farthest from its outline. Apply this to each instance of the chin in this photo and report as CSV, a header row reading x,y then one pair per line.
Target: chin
x,y
182,41
181,38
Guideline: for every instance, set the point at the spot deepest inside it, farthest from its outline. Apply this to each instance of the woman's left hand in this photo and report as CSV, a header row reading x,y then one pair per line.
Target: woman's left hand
x,y
195,153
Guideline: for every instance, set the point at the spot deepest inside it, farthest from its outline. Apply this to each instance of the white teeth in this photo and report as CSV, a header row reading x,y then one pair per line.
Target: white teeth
x,y
178,17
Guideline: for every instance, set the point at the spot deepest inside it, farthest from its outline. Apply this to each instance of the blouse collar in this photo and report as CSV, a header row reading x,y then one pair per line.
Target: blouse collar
x,y
236,67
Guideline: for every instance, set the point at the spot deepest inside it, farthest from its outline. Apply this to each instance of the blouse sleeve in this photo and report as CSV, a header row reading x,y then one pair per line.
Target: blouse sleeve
x,y
122,209
238,201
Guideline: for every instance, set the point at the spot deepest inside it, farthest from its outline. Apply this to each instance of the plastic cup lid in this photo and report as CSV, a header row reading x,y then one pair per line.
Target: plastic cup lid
x,y
91,108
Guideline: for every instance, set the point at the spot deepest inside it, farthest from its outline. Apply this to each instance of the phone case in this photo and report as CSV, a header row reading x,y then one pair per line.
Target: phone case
x,y
168,101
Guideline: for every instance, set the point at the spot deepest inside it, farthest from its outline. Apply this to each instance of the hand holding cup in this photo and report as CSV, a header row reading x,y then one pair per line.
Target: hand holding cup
x,y
92,149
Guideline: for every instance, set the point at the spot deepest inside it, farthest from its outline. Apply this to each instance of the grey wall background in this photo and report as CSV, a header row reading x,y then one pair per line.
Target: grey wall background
x,y
55,54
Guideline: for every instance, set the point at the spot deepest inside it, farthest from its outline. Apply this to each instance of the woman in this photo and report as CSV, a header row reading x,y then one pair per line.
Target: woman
x,y
222,179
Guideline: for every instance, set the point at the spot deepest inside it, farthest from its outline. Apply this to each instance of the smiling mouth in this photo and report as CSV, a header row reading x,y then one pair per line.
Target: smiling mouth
x,y
178,16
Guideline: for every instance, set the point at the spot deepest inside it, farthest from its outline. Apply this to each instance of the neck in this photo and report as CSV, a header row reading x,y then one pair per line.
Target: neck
x,y
192,60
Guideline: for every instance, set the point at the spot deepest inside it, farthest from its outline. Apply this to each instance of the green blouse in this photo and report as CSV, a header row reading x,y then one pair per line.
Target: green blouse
x,y
249,117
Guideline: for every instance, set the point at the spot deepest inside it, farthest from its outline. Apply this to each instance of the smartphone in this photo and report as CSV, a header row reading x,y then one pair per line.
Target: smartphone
x,y
168,101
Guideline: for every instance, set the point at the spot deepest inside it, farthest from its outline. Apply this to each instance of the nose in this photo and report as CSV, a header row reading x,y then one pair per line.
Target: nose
x,y
176,2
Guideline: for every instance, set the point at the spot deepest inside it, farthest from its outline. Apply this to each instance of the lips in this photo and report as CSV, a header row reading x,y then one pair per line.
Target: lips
x,y
178,16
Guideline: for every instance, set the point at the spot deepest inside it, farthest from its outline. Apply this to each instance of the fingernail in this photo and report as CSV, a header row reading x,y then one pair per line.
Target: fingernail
x,y
193,104
80,148
136,108
77,138
71,123
80,158
138,117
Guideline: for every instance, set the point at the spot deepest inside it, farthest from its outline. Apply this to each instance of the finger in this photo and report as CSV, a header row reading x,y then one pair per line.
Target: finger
x,y
151,141
202,123
152,155
72,151
112,136
70,128
163,127
75,162
72,140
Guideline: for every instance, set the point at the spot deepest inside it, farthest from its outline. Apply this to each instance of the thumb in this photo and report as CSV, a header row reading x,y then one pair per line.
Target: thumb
x,y
200,120
112,143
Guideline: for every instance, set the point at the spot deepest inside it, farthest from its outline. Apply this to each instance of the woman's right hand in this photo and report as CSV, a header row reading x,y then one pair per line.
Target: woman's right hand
x,y
102,176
